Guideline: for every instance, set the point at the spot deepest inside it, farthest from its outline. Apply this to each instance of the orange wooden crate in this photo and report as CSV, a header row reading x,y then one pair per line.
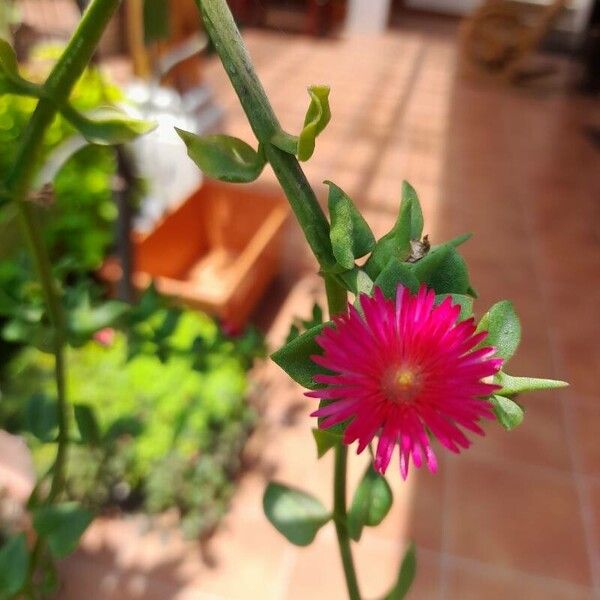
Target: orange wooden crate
x,y
218,251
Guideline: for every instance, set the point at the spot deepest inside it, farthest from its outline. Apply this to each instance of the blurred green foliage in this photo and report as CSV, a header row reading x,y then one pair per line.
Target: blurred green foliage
x,y
171,431
78,222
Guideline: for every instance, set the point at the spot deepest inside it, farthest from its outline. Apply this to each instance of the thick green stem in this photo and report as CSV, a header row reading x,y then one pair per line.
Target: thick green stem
x,y
228,42
224,33
341,519
337,301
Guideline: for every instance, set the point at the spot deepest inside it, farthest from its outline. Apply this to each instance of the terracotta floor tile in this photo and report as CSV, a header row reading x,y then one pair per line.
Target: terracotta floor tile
x,y
586,419
528,521
540,440
248,558
478,583
318,574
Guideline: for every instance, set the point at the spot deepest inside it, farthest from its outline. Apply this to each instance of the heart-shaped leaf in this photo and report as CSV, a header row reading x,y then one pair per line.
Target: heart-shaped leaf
x,y
507,411
294,513
503,327
61,525
294,357
224,157
351,236
371,503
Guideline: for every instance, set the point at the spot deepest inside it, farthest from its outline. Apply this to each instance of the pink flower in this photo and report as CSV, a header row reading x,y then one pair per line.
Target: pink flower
x,y
105,337
404,371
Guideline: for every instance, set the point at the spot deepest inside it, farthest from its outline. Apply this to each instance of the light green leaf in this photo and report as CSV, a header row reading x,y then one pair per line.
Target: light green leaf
x,y
503,327
394,273
325,440
224,157
61,525
89,430
507,411
294,357
41,417
14,564
106,126
371,503
460,240
466,304
396,243
317,117
351,236
408,570
294,513
358,281
520,385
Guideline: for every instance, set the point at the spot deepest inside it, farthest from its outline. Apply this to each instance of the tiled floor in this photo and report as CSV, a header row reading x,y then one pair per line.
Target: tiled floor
x,y
518,515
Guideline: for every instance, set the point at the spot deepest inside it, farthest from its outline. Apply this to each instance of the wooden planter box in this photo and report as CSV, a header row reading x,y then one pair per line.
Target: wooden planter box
x,y
217,251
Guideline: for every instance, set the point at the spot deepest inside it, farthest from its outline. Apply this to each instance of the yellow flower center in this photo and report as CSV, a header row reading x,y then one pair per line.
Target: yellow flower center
x,y
401,384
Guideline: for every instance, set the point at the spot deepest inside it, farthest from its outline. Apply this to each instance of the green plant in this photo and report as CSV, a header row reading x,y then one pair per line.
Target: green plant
x,y
399,366
166,432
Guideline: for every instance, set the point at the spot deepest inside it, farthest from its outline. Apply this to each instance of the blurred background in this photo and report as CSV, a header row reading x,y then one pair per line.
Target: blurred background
x,y
491,111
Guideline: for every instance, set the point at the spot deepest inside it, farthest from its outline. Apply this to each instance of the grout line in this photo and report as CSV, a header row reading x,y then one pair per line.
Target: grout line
x,y
585,508
449,475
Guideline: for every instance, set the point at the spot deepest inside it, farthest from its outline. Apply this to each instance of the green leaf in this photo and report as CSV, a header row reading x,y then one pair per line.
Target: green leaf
x,y
411,207
14,564
394,273
85,320
8,59
396,243
358,281
317,117
224,157
520,385
371,503
507,411
325,440
124,426
294,358
406,576
294,513
156,20
466,304
87,424
459,240
10,80
61,525
351,236
503,327
41,417
444,270
106,126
